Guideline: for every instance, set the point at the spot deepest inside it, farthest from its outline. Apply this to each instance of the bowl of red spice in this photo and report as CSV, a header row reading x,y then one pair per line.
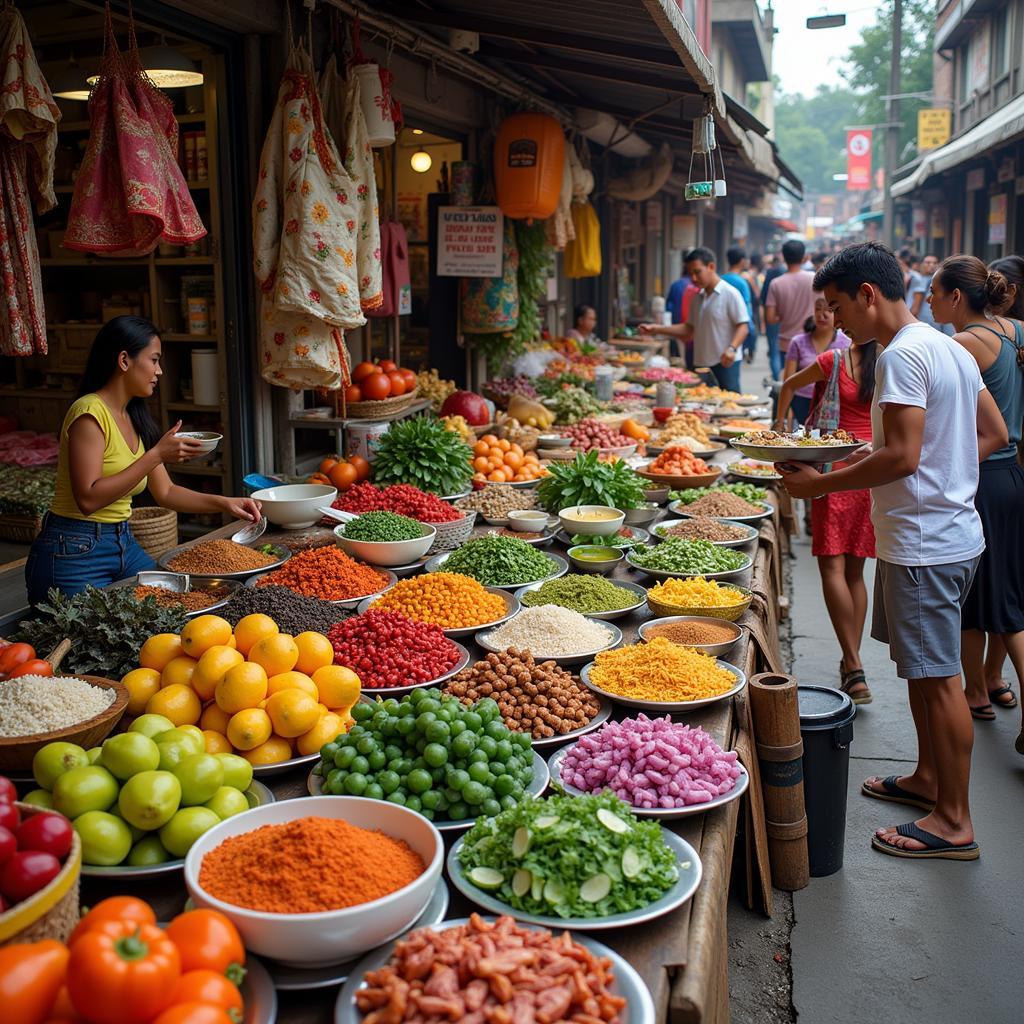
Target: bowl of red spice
x,y
318,880
329,574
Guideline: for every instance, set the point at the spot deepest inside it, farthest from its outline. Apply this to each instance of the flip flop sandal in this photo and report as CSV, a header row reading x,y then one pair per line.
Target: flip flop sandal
x,y
937,848
855,678
983,713
994,695
896,794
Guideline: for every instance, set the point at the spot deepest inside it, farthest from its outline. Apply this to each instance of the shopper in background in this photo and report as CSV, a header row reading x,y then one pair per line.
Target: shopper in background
x,y
790,299
737,278
717,321
110,450
755,279
842,537
819,335
677,302
962,290
932,421
771,328
584,320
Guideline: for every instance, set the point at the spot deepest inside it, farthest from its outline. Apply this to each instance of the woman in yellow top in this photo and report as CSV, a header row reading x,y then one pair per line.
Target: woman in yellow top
x,y
110,450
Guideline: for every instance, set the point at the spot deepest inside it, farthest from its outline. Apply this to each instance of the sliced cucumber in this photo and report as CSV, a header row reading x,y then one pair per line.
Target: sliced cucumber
x,y
486,878
521,882
547,821
520,842
632,864
553,891
611,821
593,890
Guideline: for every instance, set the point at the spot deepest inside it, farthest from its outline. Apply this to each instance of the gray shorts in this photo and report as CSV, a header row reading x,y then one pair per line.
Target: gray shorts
x,y
917,613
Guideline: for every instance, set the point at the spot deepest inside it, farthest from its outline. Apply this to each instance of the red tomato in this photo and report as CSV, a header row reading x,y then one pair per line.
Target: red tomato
x,y
114,908
397,383
26,872
194,1013
206,986
388,365
14,655
35,667
409,377
8,794
353,393
343,476
376,387
8,845
363,370
9,816
361,465
48,832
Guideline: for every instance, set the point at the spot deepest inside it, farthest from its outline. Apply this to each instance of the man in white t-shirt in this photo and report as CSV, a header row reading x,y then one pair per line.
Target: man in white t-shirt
x,y
932,422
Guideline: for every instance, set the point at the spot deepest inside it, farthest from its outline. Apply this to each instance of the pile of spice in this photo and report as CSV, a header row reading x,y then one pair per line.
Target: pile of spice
x,y
574,986
382,527
684,425
690,633
404,499
388,649
444,599
31,705
519,534
293,613
651,763
500,561
192,600
702,528
537,698
308,866
302,540
696,593
660,671
495,502
213,557
688,557
326,573
585,594
750,492
551,631
724,505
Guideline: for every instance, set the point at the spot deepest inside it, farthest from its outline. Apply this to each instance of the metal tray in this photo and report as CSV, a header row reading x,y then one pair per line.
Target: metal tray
x,y
618,613
436,564
350,603
282,552
718,650
670,574
662,706
483,638
602,716
511,608
740,542
401,691
640,536
174,581
679,509
804,453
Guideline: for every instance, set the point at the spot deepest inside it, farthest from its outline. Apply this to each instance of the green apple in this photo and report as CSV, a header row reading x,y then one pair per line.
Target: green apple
x,y
86,788
151,725
185,828
54,760
237,771
200,775
187,735
227,802
130,753
38,798
147,852
149,800
137,833
94,754
106,839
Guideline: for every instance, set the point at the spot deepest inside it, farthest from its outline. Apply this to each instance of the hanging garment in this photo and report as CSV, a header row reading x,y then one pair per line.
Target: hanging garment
x,y
130,193
491,304
28,142
583,256
558,227
397,288
305,235
343,117
582,177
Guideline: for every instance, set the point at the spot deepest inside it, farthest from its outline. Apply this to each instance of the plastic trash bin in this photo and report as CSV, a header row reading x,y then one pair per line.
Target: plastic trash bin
x,y
826,727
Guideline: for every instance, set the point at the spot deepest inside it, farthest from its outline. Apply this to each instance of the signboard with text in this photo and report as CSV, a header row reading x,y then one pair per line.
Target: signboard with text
x,y
933,128
858,159
469,241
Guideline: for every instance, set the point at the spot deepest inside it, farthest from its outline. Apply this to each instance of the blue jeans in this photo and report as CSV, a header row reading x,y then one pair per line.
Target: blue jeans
x,y
728,377
71,554
750,344
800,406
775,360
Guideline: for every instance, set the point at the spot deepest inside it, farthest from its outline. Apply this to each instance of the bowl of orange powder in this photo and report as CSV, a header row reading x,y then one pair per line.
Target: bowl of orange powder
x,y
318,880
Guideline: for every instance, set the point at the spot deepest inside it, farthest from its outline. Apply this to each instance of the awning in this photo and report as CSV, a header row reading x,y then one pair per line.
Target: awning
x,y
999,128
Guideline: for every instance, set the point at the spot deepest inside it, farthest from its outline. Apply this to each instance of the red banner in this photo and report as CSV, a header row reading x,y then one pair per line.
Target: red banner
x,y
858,159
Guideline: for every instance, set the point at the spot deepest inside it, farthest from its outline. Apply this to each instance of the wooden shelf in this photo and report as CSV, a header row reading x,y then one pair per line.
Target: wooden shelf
x,y
336,423
48,394
199,183
184,261
208,339
192,407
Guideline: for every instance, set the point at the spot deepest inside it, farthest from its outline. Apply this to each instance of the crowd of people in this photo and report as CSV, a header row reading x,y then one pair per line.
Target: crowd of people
x,y
925,360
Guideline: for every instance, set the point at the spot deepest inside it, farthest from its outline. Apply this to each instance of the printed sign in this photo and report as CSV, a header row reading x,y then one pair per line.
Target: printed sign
x,y
997,219
469,241
858,159
933,128
522,153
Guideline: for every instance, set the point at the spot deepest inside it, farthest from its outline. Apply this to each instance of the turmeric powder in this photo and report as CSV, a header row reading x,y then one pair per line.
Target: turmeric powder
x,y
308,866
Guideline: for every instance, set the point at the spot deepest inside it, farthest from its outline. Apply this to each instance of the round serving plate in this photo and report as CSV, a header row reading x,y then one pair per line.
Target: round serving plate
x,y
679,509
669,706
626,982
519,485
602,716
402,571
687,864
537,542
282,554
350,603
640,536
670,574
511,607
678,480
401,691
661,813
561,567
297,979
226,588
718,650
752,535
797,453
536,786
731,469
713,448
565,660
257,794
618,613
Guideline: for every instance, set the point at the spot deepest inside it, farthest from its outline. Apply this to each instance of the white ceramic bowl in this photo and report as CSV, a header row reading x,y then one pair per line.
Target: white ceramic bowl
x,y
387,552
593,527
207,438
333,936
527,520
294,506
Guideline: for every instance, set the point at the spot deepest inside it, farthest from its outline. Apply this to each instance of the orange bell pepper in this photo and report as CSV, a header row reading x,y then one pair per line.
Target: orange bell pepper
x,y
31,974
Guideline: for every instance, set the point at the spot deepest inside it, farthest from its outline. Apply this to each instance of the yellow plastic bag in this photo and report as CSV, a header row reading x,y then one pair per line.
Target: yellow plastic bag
x,y
583,256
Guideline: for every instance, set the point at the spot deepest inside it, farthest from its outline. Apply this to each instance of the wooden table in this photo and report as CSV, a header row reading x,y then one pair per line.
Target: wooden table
x,y
683,956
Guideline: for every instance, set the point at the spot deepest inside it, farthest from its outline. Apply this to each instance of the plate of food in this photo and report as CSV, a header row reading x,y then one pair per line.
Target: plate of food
x,y
739,680
798,446
751,469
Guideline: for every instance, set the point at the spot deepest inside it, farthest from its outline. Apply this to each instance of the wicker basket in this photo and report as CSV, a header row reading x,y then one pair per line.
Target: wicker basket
x,y
452,535
156,530
51,913
731,613
22,529
381,407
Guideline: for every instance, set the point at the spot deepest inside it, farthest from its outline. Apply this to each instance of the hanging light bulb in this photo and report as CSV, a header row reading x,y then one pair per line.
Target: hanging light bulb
x,y
417,131
68,82
420,161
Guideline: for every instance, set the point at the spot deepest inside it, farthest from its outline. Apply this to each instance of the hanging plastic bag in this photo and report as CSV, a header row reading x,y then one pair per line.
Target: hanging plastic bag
x,y
583,256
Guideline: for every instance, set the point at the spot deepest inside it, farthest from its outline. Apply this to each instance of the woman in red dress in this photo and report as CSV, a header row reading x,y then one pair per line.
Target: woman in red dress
x,y
841,533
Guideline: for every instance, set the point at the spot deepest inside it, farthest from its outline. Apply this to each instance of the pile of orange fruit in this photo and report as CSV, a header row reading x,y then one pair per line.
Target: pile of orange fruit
x,y
341,473
253,691
497,460
679,461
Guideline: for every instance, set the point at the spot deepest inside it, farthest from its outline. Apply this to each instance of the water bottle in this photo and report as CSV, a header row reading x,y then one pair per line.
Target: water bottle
x,y
603,383
665,394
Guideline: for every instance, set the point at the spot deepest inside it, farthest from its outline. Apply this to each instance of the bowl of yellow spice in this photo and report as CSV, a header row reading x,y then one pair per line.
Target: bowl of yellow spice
x,y
699,596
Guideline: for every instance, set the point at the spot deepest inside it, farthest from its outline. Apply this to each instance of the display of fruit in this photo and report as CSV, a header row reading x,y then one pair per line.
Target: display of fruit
x,y
255,692
635,431
21,660
433,387
501,389
590,434
471,406
526,437
498,460
458,425
679,461
379,380
120,967
33,848
530,413
335,471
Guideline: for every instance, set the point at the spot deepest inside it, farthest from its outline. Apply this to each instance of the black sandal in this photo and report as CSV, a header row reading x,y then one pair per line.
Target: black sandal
x,y
983,713
994,695
855,680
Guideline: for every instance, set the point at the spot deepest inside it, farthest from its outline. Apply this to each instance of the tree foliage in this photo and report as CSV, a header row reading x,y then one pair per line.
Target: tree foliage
x,y
811,133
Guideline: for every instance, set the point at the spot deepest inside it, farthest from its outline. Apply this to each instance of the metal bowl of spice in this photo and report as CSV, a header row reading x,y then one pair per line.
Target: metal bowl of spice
x,y
703,633
592,596
224,559
552,633
720,532
205,596
722,505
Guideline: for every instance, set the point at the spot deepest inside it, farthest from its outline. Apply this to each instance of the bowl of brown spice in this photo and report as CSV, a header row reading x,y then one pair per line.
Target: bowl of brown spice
x,y
223,559
703,633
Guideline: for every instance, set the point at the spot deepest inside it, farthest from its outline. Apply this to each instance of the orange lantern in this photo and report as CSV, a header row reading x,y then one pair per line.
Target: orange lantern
x,y
528,156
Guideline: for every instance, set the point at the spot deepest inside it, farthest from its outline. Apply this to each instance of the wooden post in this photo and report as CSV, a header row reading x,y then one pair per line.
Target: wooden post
x,y
776,715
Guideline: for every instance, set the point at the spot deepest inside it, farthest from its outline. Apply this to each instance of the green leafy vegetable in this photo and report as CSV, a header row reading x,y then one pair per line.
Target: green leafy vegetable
x,y
748,492
499,561
421,452
570,856
688,557
572,404
588,481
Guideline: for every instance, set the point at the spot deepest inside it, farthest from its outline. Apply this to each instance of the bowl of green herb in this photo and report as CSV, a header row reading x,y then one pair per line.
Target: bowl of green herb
x,y
385,538
499,561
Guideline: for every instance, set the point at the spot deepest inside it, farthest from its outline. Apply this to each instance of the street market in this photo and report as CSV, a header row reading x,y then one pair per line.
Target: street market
x,y
407,555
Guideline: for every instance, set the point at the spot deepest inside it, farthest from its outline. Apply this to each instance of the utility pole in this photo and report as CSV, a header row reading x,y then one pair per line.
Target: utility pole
x,y
892,131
